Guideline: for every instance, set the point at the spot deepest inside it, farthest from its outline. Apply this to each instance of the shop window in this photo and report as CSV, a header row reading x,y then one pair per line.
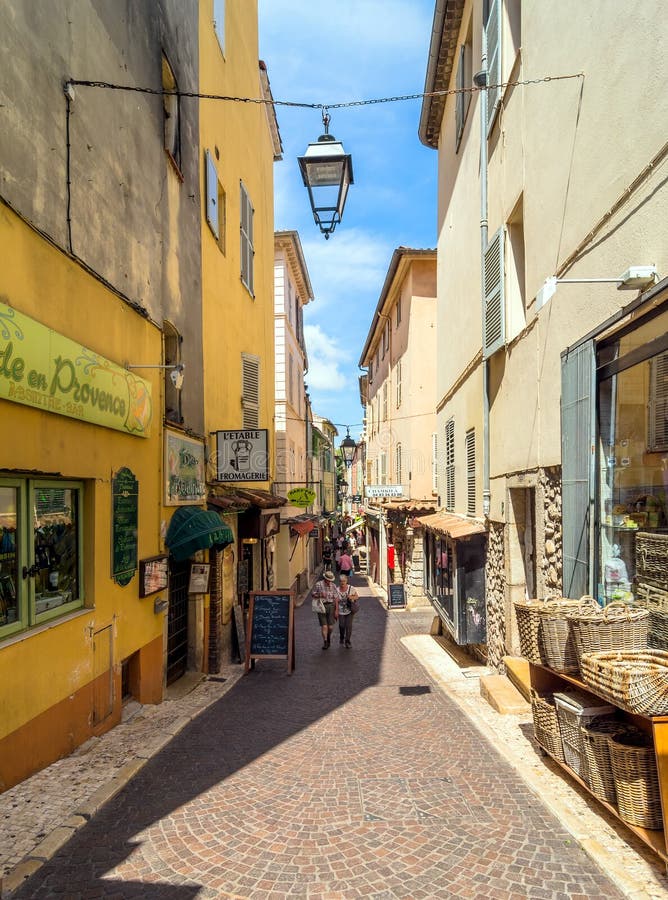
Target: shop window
x,y
40,552
171,115
246,237
450,465
470,472
250,390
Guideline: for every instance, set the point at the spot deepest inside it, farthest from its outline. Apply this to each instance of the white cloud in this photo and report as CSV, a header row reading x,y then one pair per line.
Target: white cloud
x,y
326,358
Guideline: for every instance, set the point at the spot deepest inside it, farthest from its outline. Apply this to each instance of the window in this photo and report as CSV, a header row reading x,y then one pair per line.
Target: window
x,y
398,463
385,402
369,471
290,378
383,468
41,533
219,22
398,377
370,371
250,390
398,312
470,472
172,341
515,277
450,465
215,202
494,331
386,338
657,440
246,230
370,415
434,463
171,114
464,82
493,32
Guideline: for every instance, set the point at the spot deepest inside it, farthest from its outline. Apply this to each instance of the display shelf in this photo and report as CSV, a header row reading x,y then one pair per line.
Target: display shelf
x,y
545,679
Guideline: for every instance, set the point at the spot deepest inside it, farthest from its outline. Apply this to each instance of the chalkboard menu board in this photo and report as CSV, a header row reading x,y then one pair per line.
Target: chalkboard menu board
x,y
396,598
270,629
124,521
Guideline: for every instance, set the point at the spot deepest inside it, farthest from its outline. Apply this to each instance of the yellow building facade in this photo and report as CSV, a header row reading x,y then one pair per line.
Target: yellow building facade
x,y
74,633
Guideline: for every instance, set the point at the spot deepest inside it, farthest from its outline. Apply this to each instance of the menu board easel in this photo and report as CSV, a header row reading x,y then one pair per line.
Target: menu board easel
x,y
270,632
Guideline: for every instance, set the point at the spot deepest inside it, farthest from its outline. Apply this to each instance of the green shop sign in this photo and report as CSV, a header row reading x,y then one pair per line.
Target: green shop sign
x,y
45,370
301,497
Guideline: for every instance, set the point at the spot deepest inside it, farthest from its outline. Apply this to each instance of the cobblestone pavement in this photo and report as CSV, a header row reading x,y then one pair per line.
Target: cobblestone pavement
x,y
354,777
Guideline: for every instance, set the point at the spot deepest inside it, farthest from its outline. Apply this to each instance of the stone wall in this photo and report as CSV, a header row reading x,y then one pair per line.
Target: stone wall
x,y
495,582
550,573
414,577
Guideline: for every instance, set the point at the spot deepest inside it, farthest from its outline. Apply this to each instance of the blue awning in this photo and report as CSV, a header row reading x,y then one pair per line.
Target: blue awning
x,y
192,529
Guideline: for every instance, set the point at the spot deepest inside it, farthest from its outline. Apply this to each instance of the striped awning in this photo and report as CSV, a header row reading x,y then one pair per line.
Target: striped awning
x,y
454,526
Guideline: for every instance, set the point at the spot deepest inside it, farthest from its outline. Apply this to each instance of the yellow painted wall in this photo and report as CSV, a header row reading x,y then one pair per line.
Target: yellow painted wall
x,y
45,665
234,322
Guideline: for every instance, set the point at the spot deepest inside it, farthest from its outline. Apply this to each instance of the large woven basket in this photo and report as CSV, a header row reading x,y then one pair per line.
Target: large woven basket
x,y
636,779
574,711
595,748
655,600
528,627
546,724
558,646
615,627
638,682
652,556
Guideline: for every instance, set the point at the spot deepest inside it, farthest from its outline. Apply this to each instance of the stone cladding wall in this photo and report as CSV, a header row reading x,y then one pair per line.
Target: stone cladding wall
x,y
550,575
495,582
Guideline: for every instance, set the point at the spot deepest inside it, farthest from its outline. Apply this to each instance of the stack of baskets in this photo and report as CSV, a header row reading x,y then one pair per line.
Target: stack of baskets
x,y
528,627
615,627
546,724
596,750
557,641
636,778
576,710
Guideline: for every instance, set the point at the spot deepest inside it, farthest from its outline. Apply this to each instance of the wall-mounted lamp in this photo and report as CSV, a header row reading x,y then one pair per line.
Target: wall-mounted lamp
x,y
176,375
635,278
249,541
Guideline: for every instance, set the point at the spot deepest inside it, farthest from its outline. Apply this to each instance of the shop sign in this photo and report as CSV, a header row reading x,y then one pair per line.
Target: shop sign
x,y
242,455
301,497
124,524
48,371
200,574
185,472
384,490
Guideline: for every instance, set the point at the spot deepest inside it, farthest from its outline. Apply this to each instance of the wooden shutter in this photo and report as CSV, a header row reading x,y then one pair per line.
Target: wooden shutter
x,y
450,465
578,418
246,231
212,195
399,384
493,35
470,472
460,101
250,386
494,331
657,439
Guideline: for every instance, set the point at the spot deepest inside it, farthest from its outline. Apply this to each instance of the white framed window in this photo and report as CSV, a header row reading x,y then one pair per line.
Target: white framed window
x,y
219,22
246,232
434,463
450,465
250,390
398,383
41,551
171,109
470,471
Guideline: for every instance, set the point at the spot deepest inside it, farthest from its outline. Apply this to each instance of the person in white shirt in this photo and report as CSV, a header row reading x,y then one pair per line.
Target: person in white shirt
x,y
346,608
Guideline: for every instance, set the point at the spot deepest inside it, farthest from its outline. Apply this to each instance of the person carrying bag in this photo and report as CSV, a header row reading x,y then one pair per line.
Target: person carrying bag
x,y
347,606
324,603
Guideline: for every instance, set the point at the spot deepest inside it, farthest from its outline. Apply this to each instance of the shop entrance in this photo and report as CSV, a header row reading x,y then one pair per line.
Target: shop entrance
x,y
177,622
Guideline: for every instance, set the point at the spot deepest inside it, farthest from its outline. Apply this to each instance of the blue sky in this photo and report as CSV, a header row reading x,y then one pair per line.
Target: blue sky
x,y
339,52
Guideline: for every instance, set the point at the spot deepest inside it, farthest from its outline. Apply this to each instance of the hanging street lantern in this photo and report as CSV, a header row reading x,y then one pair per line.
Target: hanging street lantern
x,y
327,172
348,447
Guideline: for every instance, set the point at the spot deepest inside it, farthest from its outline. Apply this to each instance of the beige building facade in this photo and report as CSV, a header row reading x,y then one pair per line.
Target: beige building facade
x,y
557,178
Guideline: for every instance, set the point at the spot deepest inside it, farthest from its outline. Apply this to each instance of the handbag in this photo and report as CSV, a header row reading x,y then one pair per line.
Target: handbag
x,y
317,605
354,604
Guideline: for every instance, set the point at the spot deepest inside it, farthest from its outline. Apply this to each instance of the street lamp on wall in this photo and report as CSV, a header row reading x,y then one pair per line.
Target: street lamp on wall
x,y
327,172
348,447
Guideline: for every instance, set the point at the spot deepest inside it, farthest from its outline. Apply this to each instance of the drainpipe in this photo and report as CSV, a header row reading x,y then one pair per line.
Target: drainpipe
x,y
480,79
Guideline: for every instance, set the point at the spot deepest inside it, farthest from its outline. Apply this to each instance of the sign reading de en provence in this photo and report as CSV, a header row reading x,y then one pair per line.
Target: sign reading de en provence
x,y
185,470
46,370
242,455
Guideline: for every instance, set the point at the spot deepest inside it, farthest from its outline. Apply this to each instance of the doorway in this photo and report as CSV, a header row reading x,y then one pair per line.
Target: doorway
x,y
177,620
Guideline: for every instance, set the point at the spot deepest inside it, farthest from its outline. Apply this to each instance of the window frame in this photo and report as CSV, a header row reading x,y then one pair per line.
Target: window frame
x,y
247,247
171,109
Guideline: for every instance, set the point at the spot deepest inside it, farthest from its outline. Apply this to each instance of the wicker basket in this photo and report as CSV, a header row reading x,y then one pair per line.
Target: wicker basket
x,y
546,724
656,601
638,682
615,627
557,643
596,752
652,556
528,627
574,711
636,779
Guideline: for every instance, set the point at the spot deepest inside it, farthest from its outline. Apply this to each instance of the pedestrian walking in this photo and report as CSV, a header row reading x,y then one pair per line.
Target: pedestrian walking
x,y
347,606
324,602
346,563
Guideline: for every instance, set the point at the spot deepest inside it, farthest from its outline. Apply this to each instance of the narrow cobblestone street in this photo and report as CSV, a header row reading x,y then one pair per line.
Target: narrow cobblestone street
x,y
354,777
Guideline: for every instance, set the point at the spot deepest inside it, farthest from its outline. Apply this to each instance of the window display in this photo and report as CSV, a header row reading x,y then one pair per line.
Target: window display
x,y
9,560
633,454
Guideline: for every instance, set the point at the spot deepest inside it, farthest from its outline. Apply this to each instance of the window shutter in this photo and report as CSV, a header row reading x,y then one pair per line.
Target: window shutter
x,y
494,312
385,402
246,231
212,195
399,384
398,460
250,386
658,404
470,472
460,106
219,22
383,468
450,465
578,417
493,33
434,463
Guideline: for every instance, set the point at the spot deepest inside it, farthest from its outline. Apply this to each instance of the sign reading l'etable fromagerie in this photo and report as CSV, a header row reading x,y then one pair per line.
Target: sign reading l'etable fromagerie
x,y
242,455
46,370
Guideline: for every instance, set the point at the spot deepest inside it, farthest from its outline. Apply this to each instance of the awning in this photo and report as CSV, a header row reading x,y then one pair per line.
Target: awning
x,y
358,523
302,524
193,529
454,526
